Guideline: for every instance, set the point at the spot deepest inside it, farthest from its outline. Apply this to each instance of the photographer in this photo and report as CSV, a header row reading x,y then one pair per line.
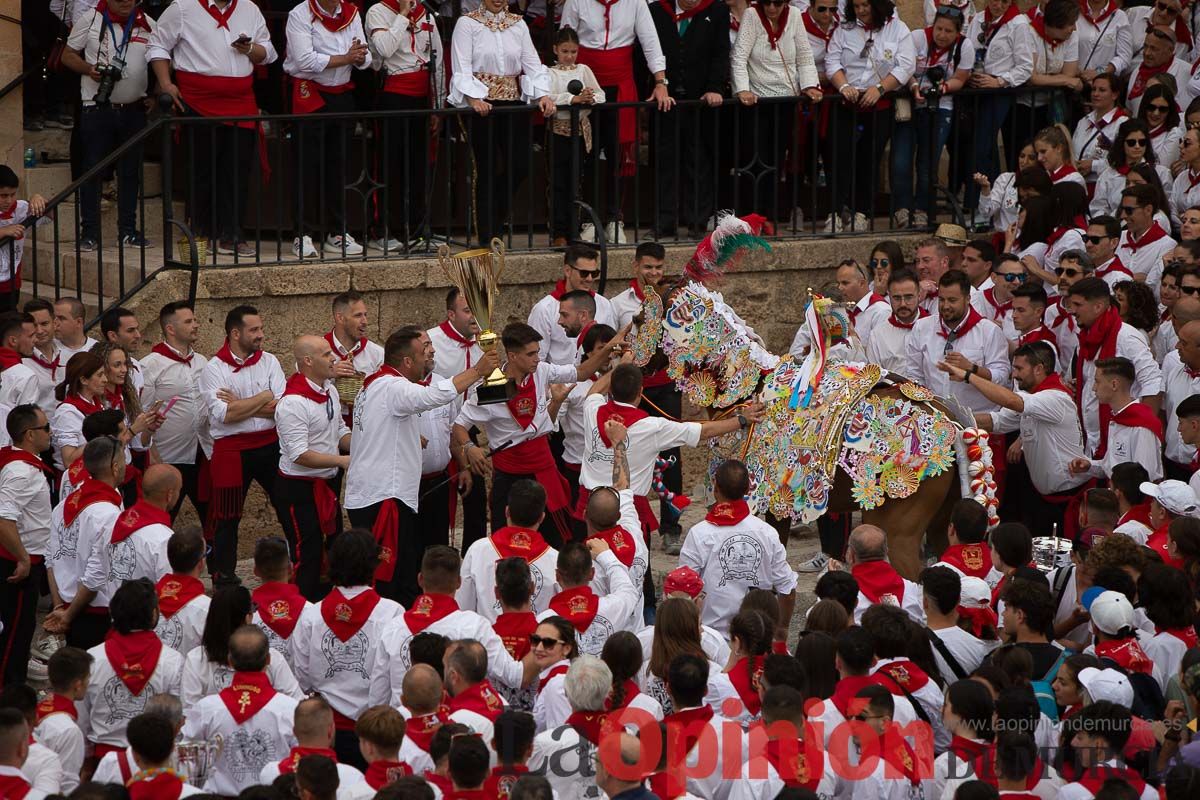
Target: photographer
x,y
108,48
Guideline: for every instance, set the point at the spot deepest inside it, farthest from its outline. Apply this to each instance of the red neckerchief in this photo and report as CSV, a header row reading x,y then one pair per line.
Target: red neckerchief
x,y
1139,513
166,351
279,606
383,371
85,408
873,299
903,675
222,17
334,344
176,591
814,30
895,750
9,358
773,34
689,725
523,404
970,559
55,704
1052,382
345,617
678,17
1144,74
380,773
300,385
345,15
480,698
991,28
1183,36
1114,265
454,335
1134,415
133,657
1098,341
1063,316
627,415
878,580
591,725
1127,653
515,542
936,54
746,684
514,629
52,365
159,786
921,314
620,541
1193,182
1152,235
114,398
92,491
1058,233
1039,26
500,781
789,757
728,513
225,354
1002,309
979,619
1185,635
1108,11
1039,334
292,760
246,695
1094,779
972,319
444,784
844,699
1100,124
428,609
578,605
629,691
10,455
140,515
635,284
14,787
422,727
560,288
583,332
555,671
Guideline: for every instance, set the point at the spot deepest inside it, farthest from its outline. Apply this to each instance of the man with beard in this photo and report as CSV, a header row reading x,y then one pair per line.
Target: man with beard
x,y
576,316
889,347
581,268
356,354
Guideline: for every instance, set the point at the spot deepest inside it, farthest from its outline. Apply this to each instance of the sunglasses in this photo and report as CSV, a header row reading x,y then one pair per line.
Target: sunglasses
x,y
1166,9
587,273
774,2
1070,273
824,9
950,11
1158,108
867,47
1011,277
1135,142
1191,291
875,263
1126,210
546,642
45,428
1094,239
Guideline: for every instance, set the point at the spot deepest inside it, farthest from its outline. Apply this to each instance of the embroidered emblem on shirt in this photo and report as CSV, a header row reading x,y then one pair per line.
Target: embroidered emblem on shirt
x,y
347,656
122,703
740,557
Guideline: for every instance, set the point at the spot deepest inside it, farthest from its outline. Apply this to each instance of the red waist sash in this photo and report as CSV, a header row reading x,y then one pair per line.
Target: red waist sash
x,y
534,458
614,67
227,497
306,95
411,84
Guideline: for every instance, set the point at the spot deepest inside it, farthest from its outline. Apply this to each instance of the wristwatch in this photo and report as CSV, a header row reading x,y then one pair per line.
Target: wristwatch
x,y
742,421
662,81
879,88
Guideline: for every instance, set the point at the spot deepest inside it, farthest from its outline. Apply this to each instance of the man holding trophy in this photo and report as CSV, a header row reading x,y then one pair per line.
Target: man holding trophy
x,y
357,355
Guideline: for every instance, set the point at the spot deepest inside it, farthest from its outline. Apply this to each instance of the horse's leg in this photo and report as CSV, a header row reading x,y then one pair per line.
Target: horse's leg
x,y
906,521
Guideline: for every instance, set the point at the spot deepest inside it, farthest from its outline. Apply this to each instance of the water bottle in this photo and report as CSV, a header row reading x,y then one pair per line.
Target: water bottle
x,y
820,171
30,158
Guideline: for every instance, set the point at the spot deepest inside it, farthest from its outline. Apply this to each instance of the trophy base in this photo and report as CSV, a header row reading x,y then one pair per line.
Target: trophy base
x,y
491,395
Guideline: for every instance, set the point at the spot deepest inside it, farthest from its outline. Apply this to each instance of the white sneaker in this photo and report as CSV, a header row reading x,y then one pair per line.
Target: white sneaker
x,y
392,244
798,218
37,671
860,222
335,244
818,563
920,219
833,223
304,248
588,233
615,233
900,218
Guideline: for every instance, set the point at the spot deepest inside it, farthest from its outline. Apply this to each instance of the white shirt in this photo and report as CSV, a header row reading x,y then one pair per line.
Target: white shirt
x,y
304,425
890,53
725,738
142,554
100,44
367,358
478,590
617,26
202,677
1094,136
185,426
397,49
1127,443
1180,69
889,349
1131,345
67,351
262,739
1050,438
626,306
25,501
732,559
1166,143
1049,59
1108,42
911,603
19,385
1178,385
348,778
449,356
47,377
1165,650
385,448
32,794
310,45
264,375
1185,193
983,345
337,669
497,420
615,609
884,783
477,46
558,752
44,769
1077,791
60,733
1070,240
966,58
572,422
436,424
1008,55
969,651
551,708
1111,183
183,630
1000,204
647,438
781,70
76,551
109,704
189,37
638,565
12,251
556,347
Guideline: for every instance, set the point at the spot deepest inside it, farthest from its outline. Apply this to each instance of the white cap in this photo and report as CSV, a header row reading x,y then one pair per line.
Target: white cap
x,y
1175,496
975,593
1107,684
1111,612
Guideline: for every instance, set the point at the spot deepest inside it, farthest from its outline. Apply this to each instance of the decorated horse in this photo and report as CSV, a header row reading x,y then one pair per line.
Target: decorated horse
x,y
839,434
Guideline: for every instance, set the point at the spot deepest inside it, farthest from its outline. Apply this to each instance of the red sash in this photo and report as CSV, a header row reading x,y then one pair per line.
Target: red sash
x,y
247,695
1108,11
1134,415
160,786
746,684
342,19
386,531
514,542
176,591
514,629
1063,172
902,675
226,470
325,501
615,68
728,513
55,704
14,787
140,515
627,415
279,606
1114,265
288,765
380,773
9,358
428,609
878,580
307,94
620,541
10,455
578,605
1039,334
345,617
133,657
409,84
1127,653
92,491
533,457
970,559
480,698
789,757
219,96
774,32
1152,235
1139,513
896,751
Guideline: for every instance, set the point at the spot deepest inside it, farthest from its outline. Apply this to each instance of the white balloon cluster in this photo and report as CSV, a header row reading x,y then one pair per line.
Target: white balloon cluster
x,y
982,473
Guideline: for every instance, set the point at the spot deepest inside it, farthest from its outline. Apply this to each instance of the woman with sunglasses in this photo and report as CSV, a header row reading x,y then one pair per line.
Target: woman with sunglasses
x,y
1160,113
1105,47
553,647
1130,147
870,55
886,258
998,201
1185,192
1094,133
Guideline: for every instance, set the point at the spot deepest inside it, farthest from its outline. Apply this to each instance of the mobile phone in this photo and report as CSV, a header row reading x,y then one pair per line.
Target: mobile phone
x,y
167,408
243,39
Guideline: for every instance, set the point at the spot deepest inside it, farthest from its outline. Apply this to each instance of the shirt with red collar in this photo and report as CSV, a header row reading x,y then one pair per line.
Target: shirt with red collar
x,y
1144,255
187,35
1179,383
311,44
308,420
246,381
981,344
170,374
1094,136
556,346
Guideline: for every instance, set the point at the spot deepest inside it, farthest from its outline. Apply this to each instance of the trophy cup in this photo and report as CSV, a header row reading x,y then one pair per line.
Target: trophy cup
x,y
476,273
195,759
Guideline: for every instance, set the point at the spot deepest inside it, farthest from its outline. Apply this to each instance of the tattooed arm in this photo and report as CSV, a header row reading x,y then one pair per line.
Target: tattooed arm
x,y
617,435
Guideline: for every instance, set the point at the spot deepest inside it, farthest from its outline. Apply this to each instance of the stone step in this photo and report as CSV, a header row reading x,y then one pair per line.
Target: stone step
x,y
50,179
151,225
45,290
99,272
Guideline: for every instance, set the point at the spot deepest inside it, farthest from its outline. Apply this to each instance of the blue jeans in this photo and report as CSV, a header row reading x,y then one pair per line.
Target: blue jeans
x,y
102,130
990,114
928,131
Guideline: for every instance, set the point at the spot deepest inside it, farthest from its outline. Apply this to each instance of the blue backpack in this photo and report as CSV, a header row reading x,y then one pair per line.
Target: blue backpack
x,y
1044,692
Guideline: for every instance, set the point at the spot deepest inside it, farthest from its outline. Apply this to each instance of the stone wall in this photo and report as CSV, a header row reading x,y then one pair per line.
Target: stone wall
x,y
12,141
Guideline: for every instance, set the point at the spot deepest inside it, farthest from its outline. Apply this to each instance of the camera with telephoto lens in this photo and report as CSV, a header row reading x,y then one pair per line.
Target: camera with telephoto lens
x,y
110,73
937,78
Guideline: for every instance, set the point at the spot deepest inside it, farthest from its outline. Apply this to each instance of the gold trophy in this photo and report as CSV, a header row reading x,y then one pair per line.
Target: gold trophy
x,y
476,273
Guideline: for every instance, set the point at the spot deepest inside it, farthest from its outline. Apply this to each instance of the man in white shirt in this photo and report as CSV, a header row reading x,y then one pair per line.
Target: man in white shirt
x,y
890,349
79,525
313,727
383,479
581,268
1187,422
46,358
325,44
57,726
1143,242
240,386
734,551
356,354
648,262
253,721
1181,380
1158,55
866,308
214,48
956,651
313,438
1102,239
18,383
182,603
171,374
595,617
1029,320
68,328
14,750
121,326
1134,431
562,753
24,535
138,544
878,581
1102,730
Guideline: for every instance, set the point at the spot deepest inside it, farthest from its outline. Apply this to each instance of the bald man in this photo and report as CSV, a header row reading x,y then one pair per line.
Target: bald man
x,y
138,548
1181,379
313,727
313,446
421,696
878,581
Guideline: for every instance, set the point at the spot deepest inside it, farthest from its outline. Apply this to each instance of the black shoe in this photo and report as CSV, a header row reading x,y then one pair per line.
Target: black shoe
x,y
88,245
135,239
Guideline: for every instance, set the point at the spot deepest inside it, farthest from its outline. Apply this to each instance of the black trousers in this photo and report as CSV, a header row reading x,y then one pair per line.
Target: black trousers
x,y
669,399
606,136
221,159
88,629
306,540
1173,470
320,162
500,144
403,587
18,613
191,486
556,527
102,130
683,155
858,152
834,531
261,466
772,129
403,162
568,161
433,516
475,511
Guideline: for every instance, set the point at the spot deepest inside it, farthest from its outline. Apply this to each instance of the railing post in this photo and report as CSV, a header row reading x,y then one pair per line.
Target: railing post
x,y
166,176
